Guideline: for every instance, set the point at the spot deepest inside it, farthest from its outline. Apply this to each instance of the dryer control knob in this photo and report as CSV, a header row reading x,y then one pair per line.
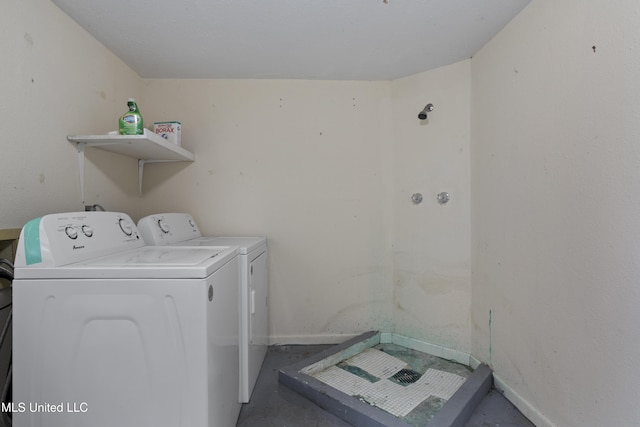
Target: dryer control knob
x,y
164,227
126,227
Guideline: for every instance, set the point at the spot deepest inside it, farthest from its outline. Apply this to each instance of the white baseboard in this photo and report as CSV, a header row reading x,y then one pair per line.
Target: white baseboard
x,y
474,363
534,415
310,339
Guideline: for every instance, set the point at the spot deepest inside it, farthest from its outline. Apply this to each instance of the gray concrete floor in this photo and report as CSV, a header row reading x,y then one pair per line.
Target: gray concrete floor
x,y
273,405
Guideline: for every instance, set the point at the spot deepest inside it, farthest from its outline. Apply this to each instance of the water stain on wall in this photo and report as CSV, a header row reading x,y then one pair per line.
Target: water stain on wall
x,y
431,283
373,309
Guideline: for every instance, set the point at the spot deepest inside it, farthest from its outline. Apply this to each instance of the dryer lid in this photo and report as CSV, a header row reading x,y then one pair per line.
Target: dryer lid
x,y
245,245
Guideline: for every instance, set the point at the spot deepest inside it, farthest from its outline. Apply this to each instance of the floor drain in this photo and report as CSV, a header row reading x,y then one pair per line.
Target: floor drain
x,y
406,376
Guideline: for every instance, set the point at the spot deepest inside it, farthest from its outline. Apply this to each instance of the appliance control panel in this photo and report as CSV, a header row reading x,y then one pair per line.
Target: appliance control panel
x,y
65,238
168,228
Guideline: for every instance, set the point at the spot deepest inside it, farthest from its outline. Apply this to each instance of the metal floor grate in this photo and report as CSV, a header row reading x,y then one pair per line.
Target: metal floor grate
x,y
406,377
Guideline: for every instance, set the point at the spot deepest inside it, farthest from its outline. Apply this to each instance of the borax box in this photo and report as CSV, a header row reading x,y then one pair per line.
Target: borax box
x,y
168,130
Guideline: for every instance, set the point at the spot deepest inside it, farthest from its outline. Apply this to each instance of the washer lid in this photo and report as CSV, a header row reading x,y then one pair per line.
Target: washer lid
x,y
245,244
149,262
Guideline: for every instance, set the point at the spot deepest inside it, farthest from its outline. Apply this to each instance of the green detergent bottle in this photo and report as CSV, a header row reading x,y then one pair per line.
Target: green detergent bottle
x,y
131,122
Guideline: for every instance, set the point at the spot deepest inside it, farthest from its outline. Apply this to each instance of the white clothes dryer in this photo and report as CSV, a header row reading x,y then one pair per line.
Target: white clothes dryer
x,y
181,229
110,332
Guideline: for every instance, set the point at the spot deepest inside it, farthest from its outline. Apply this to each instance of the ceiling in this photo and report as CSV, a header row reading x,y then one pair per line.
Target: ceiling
x,y
291,39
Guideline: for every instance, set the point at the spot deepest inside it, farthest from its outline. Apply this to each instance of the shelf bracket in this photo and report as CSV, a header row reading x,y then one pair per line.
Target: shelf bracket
x,y
140,173
141,163
80,149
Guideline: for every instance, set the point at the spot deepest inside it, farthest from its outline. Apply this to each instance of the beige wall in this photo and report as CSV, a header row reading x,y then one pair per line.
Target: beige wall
x,y
432,271
326,169
555,200
305,163
57,80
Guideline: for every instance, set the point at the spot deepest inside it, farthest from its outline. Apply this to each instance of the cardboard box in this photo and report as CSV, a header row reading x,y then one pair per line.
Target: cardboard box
x,y
168,130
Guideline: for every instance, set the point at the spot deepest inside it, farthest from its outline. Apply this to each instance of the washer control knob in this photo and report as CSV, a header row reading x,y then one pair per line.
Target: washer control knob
x,y
71,232
125,226
164,227
87,230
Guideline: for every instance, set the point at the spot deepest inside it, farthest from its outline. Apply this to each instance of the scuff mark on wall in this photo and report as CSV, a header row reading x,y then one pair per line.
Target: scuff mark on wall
x,y
28,39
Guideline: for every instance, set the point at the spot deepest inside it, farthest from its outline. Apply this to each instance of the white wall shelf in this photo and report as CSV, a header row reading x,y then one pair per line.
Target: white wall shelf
x,y
147,148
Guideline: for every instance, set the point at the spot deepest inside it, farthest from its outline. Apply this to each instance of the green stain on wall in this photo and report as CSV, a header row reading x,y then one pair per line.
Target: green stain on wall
x,y
490,342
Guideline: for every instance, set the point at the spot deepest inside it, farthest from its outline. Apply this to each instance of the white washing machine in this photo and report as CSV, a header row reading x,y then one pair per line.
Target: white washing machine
x,y
110,332
181,229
